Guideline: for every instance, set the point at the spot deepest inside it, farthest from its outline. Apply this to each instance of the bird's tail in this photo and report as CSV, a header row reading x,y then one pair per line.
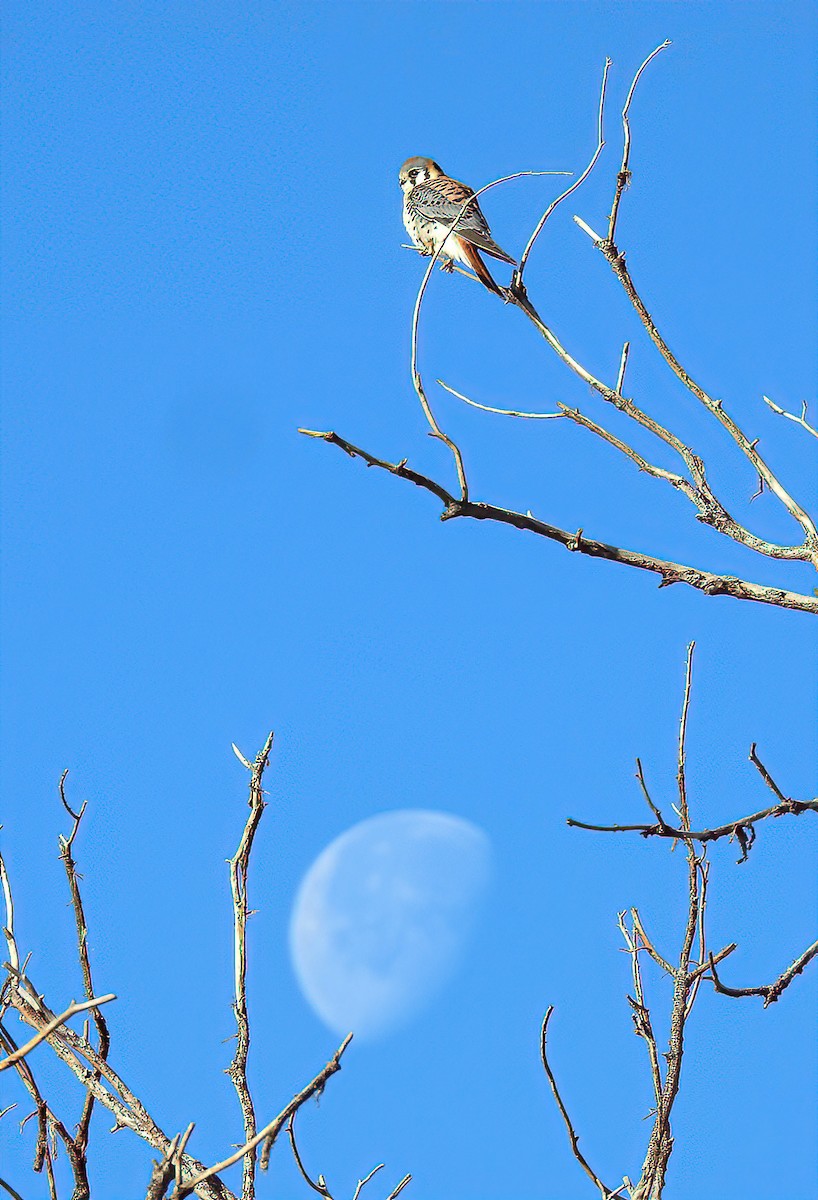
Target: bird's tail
x,y
480,269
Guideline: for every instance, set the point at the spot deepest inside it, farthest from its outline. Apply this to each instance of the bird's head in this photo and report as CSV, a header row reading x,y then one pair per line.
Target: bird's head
x,y
417,170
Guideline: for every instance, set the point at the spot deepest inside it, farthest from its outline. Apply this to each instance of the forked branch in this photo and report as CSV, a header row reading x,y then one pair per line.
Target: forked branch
x,y
770,991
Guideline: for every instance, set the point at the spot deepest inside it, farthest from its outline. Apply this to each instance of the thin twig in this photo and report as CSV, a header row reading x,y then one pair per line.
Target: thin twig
x,y
639,1010
648,945
503,412
802,420
572,1135
623,364
517,279
318,1185
363,1182
396,1191
680,772
623,177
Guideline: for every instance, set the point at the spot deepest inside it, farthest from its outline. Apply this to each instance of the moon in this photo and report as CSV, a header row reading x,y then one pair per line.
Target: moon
x,y
382,917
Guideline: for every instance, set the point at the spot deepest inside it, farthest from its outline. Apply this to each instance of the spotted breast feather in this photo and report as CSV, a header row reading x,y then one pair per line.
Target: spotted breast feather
x,y
441,201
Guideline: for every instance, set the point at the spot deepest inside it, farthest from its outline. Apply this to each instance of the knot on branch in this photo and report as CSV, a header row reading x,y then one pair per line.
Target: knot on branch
x,y
614,255
773,992
575,543
641,1019
719,586
454,509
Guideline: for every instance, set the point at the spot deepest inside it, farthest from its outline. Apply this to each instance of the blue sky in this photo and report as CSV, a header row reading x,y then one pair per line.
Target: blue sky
x,y
202,253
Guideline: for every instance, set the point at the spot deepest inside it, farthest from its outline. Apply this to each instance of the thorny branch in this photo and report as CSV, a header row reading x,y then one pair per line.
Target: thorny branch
x,y
704,581
239,867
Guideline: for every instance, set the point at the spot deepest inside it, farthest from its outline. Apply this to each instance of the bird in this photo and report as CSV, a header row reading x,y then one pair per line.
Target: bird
x,y
432,204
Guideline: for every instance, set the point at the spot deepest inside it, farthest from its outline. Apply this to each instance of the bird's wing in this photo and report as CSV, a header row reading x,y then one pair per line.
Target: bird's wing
x,y
442,200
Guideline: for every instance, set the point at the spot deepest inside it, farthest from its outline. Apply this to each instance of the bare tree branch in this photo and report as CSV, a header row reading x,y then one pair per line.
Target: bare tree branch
x,y
270,1132
660,1144
705,581
770,991
239,868
53,1025
742,830
168,1168
616,259
43,1155
100,1024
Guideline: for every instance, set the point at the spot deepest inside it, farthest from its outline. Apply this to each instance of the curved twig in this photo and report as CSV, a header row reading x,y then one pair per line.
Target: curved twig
x,y
605,1192
517,279
503,412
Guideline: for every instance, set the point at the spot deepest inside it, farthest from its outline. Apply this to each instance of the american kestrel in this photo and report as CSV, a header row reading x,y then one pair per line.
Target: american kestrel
x,y
431,205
